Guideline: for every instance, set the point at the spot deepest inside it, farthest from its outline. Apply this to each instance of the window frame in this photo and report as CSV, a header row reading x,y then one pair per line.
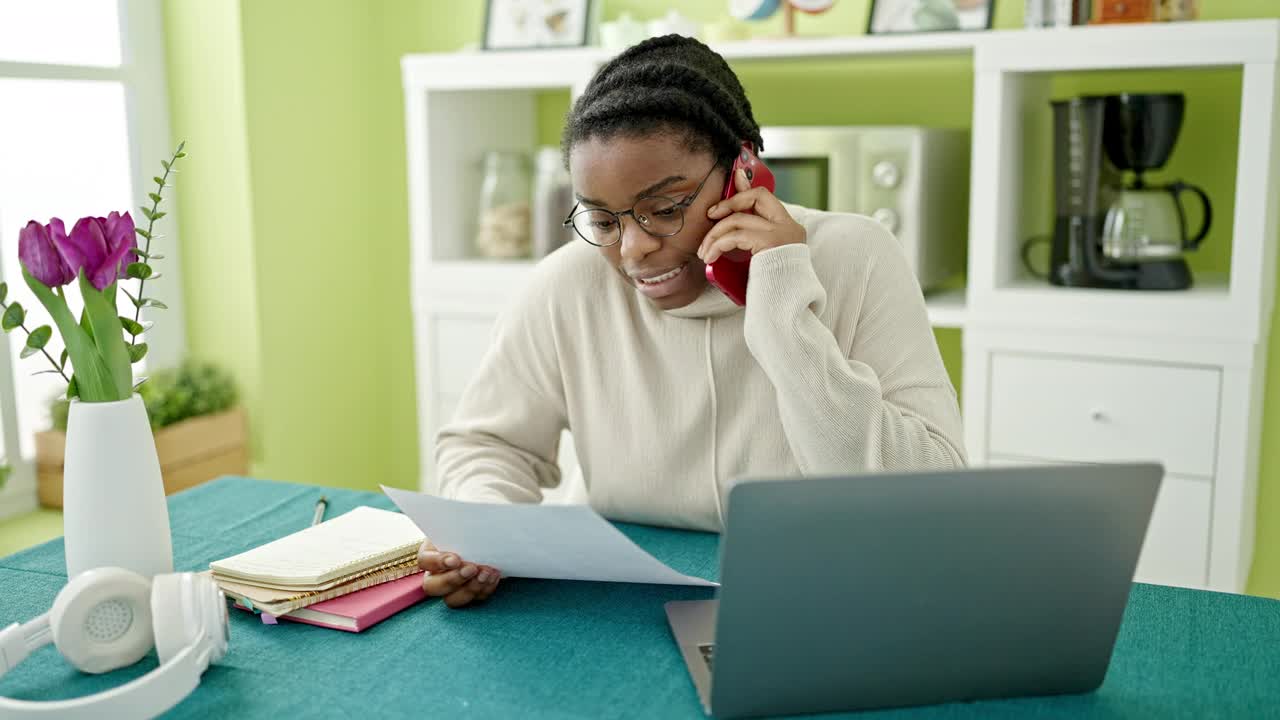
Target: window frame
x,y
142,73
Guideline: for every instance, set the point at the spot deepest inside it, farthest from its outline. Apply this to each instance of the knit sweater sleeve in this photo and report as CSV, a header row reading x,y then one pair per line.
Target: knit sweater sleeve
x,y
502,442
886,404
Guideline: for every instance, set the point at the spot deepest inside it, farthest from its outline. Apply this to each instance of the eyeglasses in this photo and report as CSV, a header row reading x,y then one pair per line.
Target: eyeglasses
x,y
657,215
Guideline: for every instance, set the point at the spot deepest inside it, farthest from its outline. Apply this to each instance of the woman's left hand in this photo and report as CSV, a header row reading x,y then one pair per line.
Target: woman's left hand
x,y
753,220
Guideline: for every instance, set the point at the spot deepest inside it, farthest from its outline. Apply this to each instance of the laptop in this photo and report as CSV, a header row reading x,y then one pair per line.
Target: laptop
x,y
899,589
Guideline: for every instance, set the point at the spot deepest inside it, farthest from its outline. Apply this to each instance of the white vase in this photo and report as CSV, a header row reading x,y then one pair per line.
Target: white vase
x,y
114,509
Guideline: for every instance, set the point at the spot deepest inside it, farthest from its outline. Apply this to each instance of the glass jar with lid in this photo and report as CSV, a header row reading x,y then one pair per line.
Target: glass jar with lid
x,y
552,201
503,227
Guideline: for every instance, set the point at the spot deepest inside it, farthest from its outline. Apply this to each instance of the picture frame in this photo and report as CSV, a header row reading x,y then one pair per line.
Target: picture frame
x,y
536,24
897,17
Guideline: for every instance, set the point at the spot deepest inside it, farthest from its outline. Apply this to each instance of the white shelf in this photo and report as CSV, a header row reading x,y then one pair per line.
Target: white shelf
x,y
474,270
501,70
1206,311
562,67
802,48
1149,45
1207,287
1093,47
489,279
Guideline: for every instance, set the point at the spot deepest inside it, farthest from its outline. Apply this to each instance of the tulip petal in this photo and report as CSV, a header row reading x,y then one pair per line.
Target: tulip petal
x,y
61,243
31,240
112,267
39,256
57,231
120,231
86,247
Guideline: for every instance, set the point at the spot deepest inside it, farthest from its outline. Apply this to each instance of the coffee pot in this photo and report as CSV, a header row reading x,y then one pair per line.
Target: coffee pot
x,y
1146,224
1109,233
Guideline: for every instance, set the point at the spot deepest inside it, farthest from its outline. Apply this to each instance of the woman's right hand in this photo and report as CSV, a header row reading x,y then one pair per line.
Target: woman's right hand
x,y
448,576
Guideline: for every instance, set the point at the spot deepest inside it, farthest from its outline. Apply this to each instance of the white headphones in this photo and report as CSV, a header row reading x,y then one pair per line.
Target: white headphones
x,y
109,618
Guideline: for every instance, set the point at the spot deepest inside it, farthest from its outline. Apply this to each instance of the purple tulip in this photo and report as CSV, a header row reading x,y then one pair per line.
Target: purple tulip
x,y
38,252
101,247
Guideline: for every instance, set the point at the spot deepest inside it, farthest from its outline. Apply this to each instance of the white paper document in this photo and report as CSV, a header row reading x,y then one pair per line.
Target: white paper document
x,y
559,542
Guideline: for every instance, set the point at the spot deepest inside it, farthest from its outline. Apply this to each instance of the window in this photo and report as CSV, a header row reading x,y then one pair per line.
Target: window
x,y
83,127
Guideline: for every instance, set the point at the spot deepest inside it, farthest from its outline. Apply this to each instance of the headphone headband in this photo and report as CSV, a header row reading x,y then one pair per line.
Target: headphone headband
x,y
98,621
144,697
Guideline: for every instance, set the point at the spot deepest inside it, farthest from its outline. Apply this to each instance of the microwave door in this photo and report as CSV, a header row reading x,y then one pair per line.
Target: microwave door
x,y
817,165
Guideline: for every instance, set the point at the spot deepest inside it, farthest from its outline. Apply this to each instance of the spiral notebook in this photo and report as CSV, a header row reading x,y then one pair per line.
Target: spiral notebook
x,y
361,610
359,549
280,602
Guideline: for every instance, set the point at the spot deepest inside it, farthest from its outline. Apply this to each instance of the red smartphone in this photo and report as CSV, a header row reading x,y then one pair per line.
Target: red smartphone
x,y
729,271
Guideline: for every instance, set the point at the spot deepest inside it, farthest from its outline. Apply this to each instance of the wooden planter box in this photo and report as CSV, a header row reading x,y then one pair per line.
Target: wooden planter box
x,y
191,452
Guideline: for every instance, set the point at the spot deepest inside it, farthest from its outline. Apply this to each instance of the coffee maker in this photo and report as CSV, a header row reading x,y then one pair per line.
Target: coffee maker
x,y
1109,233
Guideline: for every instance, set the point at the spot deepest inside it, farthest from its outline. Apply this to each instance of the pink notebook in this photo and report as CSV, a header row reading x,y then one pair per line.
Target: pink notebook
x,y
362,609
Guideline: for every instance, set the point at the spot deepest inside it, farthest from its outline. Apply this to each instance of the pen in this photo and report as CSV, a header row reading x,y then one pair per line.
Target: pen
x,y
321,504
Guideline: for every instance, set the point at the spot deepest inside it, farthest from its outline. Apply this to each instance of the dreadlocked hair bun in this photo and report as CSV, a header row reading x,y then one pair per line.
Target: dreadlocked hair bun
x,y
670,84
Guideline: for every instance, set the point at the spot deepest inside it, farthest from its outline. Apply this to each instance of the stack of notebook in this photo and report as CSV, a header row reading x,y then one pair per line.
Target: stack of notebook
x,y
359,550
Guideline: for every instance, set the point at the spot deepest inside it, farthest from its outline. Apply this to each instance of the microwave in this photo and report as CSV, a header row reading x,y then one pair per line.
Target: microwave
x,y
912,180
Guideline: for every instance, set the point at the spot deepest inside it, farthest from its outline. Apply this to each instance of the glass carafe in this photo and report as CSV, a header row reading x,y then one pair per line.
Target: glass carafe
x,y
1149,224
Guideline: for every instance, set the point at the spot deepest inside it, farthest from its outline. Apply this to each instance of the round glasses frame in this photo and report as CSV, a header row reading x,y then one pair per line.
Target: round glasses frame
x,y
641,220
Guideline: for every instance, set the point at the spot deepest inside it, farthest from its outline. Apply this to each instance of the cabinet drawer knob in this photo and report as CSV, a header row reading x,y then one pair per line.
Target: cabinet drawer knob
x,y
1097,415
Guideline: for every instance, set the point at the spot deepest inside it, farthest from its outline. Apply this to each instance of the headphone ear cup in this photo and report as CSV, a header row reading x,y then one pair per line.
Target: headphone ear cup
x,y
186,609
101,620
173,620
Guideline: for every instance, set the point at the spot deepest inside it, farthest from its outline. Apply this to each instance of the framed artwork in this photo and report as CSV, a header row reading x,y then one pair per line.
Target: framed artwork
x,y
525,24
913,16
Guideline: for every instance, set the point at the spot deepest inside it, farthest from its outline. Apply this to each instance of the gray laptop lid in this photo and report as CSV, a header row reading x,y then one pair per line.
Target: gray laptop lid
x,y
906,589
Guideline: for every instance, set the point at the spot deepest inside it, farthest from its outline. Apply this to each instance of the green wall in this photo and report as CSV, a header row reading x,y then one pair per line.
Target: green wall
x,y
294,221
294,200
324,330
206,97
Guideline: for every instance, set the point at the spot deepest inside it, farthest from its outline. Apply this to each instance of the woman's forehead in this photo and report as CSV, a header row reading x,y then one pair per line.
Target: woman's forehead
x,y
617,170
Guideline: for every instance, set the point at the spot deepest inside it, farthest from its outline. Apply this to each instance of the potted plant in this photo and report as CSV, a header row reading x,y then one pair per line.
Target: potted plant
x,y
114,509
199,427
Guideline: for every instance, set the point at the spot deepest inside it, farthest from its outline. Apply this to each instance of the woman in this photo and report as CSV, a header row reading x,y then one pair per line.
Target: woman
x,y
670,389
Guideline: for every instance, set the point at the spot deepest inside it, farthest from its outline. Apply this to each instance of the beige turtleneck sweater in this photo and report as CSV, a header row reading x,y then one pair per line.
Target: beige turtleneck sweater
x,y
830,368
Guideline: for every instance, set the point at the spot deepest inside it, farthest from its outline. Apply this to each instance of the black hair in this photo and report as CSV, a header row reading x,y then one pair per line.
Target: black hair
x,y
672,84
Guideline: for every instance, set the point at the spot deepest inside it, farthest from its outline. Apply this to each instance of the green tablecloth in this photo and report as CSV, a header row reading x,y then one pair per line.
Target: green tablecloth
x,y
588,650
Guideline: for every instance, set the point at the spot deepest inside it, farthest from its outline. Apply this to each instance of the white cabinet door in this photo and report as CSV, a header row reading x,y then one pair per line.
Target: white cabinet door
x,y
1176,551
451,346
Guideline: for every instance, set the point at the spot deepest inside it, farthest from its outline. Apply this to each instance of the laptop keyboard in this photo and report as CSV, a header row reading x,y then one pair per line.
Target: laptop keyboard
x,y
708,653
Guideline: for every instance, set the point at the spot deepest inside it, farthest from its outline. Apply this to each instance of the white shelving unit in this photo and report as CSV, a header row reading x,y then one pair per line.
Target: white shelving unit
x,y
1050,374
1075,375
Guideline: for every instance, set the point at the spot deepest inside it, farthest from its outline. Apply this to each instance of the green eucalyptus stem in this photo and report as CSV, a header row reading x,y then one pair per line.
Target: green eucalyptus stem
x,y
44,351
151,223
